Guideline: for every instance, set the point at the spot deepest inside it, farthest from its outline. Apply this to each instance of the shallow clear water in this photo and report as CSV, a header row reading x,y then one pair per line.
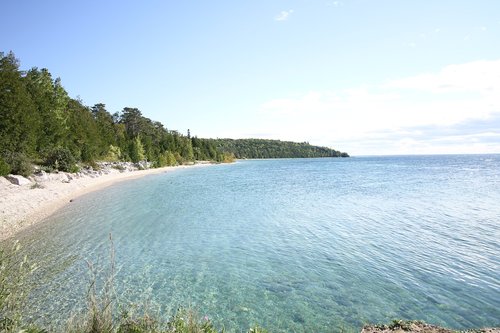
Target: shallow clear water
x,y
293,245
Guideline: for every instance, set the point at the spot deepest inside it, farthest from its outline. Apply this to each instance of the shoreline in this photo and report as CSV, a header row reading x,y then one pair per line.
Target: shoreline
x,y
22,206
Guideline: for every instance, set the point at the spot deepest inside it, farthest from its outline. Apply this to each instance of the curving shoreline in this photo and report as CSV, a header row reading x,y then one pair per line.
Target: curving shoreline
x,y
22,206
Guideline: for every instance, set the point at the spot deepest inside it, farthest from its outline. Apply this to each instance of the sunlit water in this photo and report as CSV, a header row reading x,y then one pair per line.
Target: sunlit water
x,y
291,245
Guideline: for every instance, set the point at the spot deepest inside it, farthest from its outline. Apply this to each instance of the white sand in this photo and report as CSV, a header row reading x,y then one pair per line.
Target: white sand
x,y
23,206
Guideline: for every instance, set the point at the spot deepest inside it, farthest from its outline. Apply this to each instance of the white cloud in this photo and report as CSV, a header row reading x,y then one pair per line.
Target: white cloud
x,y
284,15
479,76
389,113
335,3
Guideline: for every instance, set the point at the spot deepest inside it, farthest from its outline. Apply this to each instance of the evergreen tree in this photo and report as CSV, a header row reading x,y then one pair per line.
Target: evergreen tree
x,y
19,121
136,150
51,101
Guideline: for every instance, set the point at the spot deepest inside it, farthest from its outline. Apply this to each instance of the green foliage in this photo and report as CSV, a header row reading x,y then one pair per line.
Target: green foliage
x,y
185,321
20,164
20,121
166,159
61,159
136,150
225,158
260,148
83,139
14,270
4,168
114,154
178,158
37,116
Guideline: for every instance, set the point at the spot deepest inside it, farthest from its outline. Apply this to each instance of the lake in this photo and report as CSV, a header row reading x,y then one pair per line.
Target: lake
x,y
292,245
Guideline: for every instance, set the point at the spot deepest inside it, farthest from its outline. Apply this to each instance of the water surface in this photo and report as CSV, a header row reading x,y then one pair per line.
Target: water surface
x,y
293,245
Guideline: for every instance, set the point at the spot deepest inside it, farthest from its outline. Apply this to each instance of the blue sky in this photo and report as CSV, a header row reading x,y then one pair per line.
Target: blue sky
x,y
366,77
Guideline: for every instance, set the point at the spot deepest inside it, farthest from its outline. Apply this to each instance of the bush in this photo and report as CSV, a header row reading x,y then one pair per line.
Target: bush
x,y
114,154
61,159
20,164
165,159
4,168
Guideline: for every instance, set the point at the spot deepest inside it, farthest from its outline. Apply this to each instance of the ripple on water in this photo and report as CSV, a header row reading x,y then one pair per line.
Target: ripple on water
x,y
293,245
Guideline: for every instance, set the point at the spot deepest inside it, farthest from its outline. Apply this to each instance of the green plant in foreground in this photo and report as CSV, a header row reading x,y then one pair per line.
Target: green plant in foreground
x,y
99,316
14,270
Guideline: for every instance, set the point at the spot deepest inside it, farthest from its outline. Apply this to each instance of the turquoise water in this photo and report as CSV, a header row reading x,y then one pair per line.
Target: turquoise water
x,y
293,245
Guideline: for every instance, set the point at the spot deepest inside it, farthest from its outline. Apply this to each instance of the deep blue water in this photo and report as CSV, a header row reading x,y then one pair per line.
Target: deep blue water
x,y
293,245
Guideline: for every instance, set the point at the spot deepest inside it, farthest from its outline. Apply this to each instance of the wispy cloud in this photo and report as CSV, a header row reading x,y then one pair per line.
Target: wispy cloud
x,y
428,113
479,76
335,3
284,15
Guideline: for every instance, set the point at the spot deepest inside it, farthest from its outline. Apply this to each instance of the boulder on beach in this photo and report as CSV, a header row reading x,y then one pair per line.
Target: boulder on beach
x,y
65,178
41,176
18,180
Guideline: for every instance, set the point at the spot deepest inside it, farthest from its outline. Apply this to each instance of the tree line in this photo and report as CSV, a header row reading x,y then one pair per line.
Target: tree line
x,y
41,124
262,148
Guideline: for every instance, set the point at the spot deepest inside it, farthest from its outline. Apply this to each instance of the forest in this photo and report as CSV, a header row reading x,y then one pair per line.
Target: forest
x,y
41,124
262,148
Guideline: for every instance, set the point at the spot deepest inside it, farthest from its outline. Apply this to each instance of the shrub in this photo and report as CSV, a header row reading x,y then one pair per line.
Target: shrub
x,y
74,168
114,154
61,159
178,158
165,159
4,168
20,164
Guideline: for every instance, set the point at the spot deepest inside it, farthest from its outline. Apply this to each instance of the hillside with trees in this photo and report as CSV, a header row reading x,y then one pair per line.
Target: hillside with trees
x,y
261,148
41,124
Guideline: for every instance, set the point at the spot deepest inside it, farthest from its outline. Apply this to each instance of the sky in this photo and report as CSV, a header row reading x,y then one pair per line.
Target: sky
x,y
362,76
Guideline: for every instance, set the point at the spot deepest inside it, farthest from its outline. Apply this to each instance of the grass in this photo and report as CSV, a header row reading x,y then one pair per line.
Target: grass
x,y
100,314
14,271
103,313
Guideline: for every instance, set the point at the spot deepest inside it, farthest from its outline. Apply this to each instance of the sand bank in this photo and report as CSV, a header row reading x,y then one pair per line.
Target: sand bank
x,y
22,206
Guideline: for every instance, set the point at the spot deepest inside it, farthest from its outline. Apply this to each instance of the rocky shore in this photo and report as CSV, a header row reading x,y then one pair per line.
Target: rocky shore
x,y
403,326
26,201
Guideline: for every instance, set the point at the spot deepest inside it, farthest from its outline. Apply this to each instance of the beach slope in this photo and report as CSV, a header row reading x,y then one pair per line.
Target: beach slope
x,y
24,205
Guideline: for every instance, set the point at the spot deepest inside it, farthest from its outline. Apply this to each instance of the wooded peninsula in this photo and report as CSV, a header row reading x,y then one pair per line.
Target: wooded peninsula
x,y
41,124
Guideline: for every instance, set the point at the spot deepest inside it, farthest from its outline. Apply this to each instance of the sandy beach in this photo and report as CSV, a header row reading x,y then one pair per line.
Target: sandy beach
x,y
21,206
